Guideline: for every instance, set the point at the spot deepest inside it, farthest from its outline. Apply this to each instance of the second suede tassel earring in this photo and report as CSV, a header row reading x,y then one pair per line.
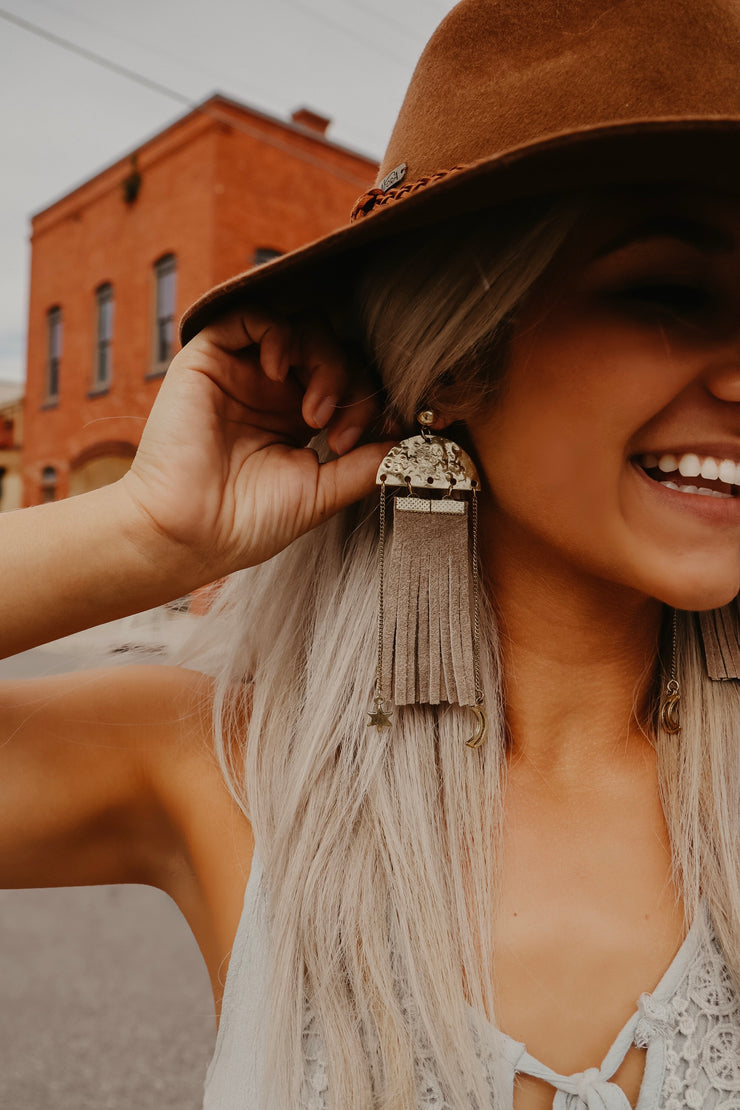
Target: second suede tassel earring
x,y
428,620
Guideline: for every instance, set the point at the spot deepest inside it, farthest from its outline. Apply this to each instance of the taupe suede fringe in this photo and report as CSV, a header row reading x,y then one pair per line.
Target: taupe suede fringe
x,y
427,631
720,632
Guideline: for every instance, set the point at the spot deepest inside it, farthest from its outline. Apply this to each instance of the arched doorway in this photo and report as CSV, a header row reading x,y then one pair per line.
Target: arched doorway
x,y
99,466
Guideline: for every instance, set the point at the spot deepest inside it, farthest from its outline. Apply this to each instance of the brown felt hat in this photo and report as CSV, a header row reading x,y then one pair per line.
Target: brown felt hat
x,y
514,99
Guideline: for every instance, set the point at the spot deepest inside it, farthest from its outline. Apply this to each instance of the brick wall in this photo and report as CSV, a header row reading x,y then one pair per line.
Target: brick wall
x,y
217,185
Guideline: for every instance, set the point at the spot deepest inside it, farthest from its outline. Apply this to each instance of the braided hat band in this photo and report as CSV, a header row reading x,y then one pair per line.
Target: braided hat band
x,y
378,197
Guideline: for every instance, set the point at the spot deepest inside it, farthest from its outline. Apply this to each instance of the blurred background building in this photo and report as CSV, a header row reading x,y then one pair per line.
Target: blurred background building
x,y
116,261
11,441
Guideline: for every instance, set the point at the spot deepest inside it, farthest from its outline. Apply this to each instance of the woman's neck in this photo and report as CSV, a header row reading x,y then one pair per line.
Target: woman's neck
x,y
578,657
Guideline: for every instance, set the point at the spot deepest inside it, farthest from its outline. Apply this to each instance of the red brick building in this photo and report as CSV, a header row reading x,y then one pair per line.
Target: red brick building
x,y
116,261
11,442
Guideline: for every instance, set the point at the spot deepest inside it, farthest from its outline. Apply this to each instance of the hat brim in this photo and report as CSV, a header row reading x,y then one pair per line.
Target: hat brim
x,y
687,151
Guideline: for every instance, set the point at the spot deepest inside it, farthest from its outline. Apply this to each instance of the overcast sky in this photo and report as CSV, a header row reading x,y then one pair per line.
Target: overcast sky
x,y
65,117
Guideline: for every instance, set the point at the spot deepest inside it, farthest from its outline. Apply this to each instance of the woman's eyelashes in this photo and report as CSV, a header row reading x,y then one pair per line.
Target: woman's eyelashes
x,y
696,307
677,298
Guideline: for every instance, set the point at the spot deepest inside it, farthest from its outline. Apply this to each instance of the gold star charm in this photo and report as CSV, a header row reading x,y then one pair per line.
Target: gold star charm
x,y
380,719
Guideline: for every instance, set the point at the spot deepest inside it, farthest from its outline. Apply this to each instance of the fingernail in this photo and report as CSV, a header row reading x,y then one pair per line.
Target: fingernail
x,y
325,411
346,440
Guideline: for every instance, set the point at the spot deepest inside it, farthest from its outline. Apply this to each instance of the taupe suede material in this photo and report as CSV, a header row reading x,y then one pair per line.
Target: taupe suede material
x,y
720,632
427,630
532,97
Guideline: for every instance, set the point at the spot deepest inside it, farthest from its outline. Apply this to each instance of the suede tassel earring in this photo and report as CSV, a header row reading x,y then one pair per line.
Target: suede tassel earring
x,y
428,622
720,633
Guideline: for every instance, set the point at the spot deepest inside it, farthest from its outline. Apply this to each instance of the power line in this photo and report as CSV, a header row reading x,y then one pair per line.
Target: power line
x,y
165,90
193,67
329,22
98,59
374,14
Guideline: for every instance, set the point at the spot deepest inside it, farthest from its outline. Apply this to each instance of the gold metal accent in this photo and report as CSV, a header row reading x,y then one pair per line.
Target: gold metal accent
x,y
379,699
379,719
669,710
426,417
476,605
395,177
671,702
428,462
424,505
481,727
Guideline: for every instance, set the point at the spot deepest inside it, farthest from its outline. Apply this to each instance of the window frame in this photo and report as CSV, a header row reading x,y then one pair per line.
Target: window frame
x,y
49,484
165,280
54,344
262,255
104,317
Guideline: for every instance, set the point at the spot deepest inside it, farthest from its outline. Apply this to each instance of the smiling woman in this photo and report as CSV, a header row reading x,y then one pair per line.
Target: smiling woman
x,y
448,778
561,365
629,363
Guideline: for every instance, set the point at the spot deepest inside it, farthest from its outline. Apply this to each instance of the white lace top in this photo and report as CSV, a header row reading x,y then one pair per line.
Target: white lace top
x,y
690,1026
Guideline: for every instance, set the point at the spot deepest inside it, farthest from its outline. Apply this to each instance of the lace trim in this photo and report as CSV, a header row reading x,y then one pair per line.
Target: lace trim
x,y
699,1027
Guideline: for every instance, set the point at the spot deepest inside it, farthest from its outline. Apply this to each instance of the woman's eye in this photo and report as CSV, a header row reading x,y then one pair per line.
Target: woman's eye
x,y
677,297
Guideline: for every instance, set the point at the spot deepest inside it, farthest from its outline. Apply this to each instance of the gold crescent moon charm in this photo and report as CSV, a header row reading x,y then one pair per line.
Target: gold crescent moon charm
x,y
481,727
669,714
669,710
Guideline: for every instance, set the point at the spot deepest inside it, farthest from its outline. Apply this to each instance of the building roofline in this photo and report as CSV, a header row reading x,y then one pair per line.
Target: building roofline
x,y
199,109
11,392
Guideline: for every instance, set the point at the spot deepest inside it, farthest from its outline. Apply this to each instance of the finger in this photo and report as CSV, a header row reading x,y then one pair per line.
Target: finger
x,y
351,419
345,480
254,328
322,368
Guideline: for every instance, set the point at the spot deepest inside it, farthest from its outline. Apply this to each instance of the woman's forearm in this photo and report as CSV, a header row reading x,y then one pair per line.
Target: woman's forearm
x,y
79,562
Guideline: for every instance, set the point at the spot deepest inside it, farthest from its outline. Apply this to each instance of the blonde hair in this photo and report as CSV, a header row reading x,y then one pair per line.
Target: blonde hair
x,y
379,848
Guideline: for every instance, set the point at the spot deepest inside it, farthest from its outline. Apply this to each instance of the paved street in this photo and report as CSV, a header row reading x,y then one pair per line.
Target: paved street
x,y
105,1002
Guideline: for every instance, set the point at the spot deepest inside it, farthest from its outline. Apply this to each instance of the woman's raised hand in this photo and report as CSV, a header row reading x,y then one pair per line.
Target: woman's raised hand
x,y
223,471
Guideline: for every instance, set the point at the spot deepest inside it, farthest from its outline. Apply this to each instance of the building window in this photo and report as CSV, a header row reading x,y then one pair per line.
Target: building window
x,y
53,351
165,274
48,484
265,254
104,336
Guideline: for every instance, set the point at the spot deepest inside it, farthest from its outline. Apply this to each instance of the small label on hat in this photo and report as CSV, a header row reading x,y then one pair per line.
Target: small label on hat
x,y
393,178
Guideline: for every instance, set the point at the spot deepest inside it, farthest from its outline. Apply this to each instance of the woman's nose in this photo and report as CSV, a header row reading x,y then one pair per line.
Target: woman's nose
x,y
723,379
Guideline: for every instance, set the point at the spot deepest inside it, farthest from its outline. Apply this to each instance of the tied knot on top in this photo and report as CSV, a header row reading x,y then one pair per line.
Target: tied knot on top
x,y
589,1090
587,1080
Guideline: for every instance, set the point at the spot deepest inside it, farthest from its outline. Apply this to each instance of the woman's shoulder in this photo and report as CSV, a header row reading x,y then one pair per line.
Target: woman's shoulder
x,y
184,770
207,862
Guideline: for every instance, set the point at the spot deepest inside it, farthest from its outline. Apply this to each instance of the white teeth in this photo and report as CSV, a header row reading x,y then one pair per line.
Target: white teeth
x,y
696,489
715,493
692,465
689,466
727,471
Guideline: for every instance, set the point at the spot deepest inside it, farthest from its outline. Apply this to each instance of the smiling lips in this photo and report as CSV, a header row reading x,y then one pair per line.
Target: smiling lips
x,y
713,477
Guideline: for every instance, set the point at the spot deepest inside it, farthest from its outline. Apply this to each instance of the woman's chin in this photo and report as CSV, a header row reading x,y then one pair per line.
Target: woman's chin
x,y
697,597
